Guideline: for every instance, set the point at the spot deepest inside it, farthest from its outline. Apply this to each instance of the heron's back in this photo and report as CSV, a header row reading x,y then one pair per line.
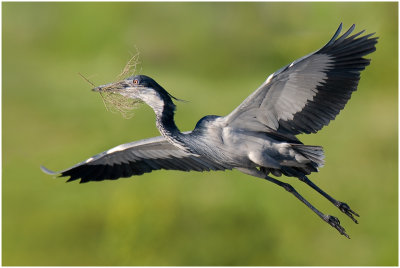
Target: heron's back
x,y
241,148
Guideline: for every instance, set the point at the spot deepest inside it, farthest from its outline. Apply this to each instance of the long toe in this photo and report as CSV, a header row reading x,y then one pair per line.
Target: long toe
x,y
348,211
335,223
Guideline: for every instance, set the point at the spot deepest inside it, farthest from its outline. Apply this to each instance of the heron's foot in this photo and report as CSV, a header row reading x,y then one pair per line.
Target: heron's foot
x,y
335,223
347,210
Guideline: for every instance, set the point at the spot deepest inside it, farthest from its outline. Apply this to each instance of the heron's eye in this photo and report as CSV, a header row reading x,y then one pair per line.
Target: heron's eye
x,y
135,82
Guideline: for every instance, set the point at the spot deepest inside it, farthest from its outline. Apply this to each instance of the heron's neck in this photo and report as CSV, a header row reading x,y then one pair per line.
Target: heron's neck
x,y
165,120
166,124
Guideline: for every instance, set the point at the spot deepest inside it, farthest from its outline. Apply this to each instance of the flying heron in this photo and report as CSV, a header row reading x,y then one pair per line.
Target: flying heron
x,y
257,138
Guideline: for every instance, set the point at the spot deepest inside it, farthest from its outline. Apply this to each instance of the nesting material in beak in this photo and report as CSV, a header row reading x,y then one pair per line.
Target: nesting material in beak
x,y
115,102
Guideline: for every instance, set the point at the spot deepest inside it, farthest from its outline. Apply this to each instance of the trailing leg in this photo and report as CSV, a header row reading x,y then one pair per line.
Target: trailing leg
x,y
333,221
341,205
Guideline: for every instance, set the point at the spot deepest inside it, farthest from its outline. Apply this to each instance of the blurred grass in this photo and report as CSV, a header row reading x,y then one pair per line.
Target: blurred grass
x,y
214,55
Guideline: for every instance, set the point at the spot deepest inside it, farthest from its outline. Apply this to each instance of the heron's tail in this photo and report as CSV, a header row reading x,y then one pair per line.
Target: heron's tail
x,y
313,153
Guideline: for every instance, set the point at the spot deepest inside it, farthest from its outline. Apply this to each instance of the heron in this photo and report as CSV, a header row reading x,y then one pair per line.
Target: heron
x,y
258,137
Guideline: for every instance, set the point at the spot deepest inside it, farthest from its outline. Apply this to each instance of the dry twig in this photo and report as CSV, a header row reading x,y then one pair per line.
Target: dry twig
x,y
115,102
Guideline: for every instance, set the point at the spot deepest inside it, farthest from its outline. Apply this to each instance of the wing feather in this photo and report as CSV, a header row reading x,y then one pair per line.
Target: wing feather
x,y
307,94
136,158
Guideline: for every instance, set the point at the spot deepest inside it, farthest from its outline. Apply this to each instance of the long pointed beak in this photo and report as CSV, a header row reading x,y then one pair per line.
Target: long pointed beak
x,y
112,87
97,89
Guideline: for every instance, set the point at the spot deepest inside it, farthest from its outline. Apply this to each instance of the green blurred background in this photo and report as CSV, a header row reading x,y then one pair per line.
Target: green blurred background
x,y
213,55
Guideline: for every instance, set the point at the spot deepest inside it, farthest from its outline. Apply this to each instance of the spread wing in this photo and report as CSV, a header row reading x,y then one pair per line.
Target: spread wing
x,y
136,158
310,92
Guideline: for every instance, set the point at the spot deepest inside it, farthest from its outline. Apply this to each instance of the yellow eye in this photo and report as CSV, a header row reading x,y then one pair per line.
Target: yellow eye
x,y
135,81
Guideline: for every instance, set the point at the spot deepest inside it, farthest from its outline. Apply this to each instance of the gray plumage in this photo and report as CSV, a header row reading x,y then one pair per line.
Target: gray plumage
x,y
258,137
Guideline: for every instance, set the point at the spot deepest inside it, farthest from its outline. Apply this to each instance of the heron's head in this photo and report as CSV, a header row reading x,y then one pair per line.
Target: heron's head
x,y
139,87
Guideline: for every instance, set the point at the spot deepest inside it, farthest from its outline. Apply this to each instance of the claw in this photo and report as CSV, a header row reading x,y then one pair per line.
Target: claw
x,y
347,210
335,223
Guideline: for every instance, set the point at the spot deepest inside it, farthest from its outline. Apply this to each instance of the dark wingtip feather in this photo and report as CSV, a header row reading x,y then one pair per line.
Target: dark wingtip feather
x,y
71,179
335,40
349,31
335,35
